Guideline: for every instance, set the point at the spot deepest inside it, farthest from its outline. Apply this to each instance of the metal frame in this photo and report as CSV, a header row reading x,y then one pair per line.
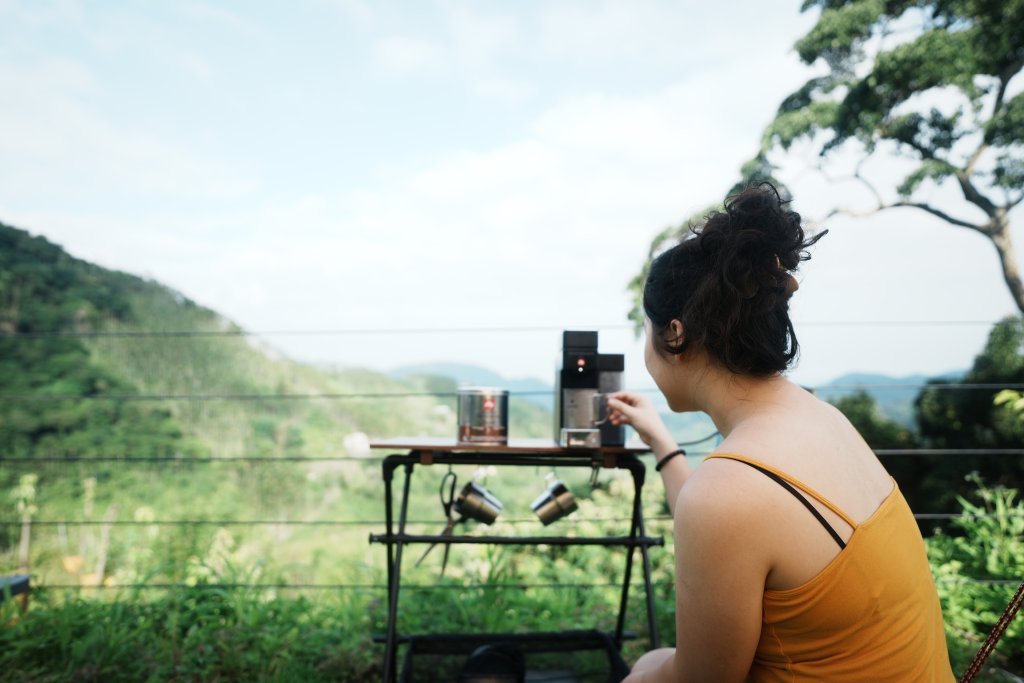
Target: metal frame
x,y
396,542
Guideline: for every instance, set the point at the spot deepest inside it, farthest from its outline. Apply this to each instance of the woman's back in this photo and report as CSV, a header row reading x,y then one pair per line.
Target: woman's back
x,y
853,606
796,433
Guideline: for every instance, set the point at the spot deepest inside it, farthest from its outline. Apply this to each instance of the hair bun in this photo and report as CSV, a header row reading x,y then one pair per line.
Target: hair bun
x,y
754,244
730,281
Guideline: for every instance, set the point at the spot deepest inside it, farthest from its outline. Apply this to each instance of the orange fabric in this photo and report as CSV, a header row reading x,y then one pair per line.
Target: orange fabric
x,y
872,614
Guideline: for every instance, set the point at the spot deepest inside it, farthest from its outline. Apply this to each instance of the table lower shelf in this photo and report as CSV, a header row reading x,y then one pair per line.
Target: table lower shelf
x,y
625,541
438,646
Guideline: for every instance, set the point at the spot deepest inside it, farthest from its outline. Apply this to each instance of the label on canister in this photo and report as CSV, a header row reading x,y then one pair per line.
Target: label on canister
x,y
483,415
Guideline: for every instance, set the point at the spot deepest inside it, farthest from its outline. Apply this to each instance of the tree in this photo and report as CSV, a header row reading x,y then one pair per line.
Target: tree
x,y
964,414
969,417
878,431
928,81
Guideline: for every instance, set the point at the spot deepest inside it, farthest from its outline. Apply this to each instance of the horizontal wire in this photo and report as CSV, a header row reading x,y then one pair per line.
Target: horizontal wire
x,y
284,522
69,459
188,461
445,330
244,397
951,386
421,587
949,451
335,586
380,522
142,334
29,398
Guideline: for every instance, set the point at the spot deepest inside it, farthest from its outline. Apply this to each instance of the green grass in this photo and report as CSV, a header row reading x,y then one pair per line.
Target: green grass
x,y
212,634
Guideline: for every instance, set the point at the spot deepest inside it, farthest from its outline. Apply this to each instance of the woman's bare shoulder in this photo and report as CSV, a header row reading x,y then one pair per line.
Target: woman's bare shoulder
x,y
722,488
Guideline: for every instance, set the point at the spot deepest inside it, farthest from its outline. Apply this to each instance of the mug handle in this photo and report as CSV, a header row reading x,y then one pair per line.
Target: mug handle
x,y
600,401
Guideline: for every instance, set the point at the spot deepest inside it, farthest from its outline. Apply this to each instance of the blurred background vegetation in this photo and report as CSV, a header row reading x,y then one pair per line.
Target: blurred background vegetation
x,y
270,500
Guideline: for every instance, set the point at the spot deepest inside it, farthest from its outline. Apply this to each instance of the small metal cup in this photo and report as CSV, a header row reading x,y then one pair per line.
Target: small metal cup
x,y
476,502
556,502
600,407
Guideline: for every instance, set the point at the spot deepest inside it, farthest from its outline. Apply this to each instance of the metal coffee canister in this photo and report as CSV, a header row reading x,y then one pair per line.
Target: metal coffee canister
x,y
483,415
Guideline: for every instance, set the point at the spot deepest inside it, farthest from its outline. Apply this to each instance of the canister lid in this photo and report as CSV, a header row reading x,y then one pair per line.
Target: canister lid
x,y
481,391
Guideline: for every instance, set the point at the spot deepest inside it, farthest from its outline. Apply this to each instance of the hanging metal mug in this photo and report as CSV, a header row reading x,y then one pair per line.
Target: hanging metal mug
x,y
556,502
476,502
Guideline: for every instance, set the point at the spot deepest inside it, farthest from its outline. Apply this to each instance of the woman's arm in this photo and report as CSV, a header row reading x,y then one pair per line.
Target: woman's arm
x,y
636,410
720,572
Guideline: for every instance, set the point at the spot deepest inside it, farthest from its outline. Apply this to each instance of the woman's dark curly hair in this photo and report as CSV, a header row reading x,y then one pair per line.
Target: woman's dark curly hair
x,y
728,282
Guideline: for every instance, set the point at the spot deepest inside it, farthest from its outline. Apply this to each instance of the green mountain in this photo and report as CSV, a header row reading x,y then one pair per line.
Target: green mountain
x,y
46,294
123,401
528,389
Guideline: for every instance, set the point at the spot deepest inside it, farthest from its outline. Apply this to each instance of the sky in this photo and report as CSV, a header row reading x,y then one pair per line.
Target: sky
x,y
441,181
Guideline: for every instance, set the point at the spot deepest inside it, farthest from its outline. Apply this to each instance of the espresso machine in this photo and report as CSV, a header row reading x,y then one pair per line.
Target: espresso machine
x,y
582,379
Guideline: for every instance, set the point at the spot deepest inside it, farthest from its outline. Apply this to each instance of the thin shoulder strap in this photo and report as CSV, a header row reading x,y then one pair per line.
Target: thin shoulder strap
x,y
778,478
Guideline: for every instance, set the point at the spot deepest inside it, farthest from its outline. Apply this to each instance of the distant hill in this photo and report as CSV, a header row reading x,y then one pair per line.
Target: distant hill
x,y
531,389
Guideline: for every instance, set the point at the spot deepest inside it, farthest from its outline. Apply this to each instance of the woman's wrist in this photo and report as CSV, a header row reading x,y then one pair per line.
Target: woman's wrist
x,y
663,446
664,460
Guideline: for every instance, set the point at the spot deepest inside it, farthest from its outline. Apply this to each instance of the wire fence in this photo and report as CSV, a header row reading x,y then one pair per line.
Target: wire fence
x,y
419,587
269,459
384,396
656,521
356,395
239,332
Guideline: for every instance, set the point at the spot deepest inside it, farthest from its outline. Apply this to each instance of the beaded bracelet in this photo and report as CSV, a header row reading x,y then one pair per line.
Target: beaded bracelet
x,y
668,456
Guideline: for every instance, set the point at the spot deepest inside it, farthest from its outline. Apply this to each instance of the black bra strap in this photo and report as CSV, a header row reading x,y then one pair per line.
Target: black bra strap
x,y
814,511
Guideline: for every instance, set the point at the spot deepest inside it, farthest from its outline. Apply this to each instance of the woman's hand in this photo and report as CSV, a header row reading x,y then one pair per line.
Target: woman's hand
x,y
638,411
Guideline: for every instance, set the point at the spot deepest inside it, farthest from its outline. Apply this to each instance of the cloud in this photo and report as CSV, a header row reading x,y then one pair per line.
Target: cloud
x,y
212,15
505,90
406,56
623,118
62,140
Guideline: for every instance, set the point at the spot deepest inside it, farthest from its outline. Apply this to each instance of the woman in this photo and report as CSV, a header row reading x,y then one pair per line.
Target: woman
x,y
797,558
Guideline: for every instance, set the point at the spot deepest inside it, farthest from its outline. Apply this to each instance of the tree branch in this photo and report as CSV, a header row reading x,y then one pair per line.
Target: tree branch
x,y
971,193
952,220
1004,80
855,176
928,208
985,228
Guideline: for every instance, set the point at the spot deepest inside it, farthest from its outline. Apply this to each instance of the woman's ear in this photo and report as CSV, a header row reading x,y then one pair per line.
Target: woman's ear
x,y
674,336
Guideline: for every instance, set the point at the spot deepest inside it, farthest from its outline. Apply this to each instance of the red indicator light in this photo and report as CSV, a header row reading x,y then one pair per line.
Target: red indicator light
x,y
580,362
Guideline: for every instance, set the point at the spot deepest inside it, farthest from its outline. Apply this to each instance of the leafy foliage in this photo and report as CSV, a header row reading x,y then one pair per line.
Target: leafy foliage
x,y
208,635
44,291
989,548
965,419
880,432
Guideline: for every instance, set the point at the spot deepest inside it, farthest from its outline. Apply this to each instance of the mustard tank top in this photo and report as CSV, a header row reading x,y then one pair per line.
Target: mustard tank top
x,y
872,614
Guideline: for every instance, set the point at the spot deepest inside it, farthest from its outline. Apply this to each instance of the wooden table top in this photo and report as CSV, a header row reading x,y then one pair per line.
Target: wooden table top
x,y
440,443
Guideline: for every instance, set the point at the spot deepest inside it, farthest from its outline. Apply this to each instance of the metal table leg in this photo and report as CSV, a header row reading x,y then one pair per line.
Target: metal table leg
x,y
652,624
623,602
394,568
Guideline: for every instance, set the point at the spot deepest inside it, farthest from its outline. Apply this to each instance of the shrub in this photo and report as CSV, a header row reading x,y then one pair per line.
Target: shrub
x,y
977,571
